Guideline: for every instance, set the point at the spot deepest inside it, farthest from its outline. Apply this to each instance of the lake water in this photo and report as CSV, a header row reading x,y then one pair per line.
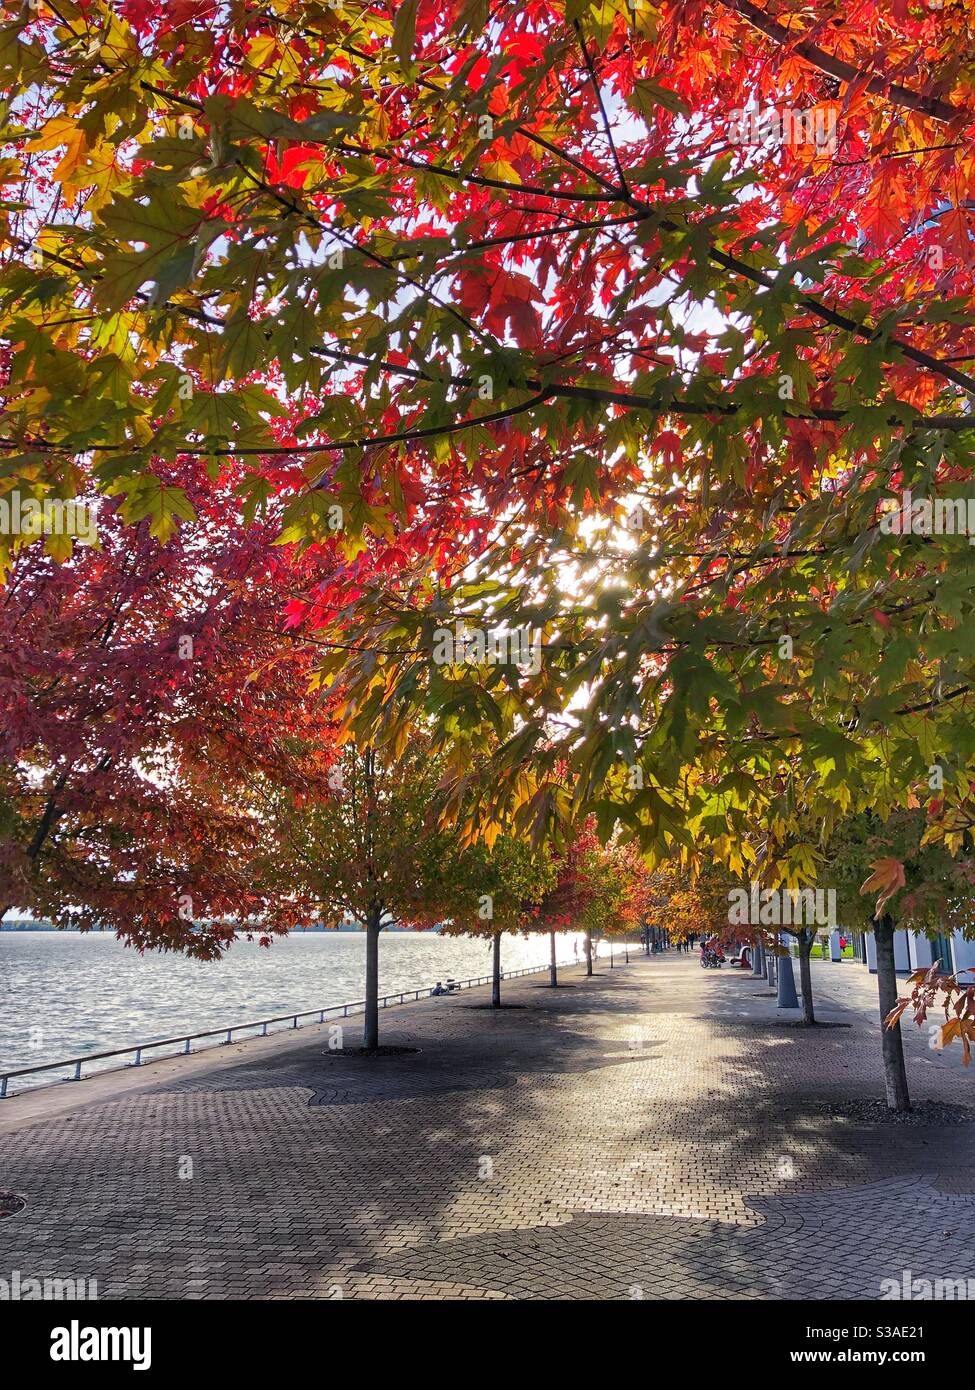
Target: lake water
x,y
64,993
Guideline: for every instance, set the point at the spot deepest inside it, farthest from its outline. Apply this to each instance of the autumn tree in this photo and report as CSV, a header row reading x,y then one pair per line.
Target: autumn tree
x,y
373,852
891,876
692,899
149,692
511,880
568,896
609,904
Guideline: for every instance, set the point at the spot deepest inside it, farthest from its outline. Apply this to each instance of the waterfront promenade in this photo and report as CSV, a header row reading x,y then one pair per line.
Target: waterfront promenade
x,y
658,1131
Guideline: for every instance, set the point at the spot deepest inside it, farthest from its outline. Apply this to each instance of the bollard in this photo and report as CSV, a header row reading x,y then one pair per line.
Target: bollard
x,y
787,997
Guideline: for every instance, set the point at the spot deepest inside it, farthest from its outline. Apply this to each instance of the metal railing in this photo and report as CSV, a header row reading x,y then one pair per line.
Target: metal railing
x,y
227,1034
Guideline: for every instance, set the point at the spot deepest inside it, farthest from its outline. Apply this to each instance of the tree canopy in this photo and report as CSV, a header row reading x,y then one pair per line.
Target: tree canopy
x,y
592,354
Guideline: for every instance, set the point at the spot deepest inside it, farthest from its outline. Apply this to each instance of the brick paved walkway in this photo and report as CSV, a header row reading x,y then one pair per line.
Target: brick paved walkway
x,y
658,1131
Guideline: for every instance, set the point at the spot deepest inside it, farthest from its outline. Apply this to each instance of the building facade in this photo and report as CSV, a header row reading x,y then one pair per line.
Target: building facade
x,y
915,951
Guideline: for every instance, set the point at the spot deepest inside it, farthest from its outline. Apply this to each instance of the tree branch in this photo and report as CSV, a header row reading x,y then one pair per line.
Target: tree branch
x,y
879,85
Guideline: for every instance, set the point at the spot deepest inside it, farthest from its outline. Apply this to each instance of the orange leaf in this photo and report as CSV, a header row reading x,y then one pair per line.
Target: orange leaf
x,y
888,876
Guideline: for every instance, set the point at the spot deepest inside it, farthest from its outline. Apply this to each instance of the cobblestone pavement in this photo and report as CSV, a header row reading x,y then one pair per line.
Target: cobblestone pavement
x,y
658,1131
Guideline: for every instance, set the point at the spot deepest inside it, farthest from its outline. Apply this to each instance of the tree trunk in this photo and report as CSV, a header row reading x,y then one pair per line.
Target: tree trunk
x,y
891,1042
806,939
758,965
370,1022
496,972
588,952
553,973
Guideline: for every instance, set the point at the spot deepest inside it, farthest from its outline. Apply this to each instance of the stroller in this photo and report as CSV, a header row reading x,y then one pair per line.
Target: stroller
x,y
712,956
